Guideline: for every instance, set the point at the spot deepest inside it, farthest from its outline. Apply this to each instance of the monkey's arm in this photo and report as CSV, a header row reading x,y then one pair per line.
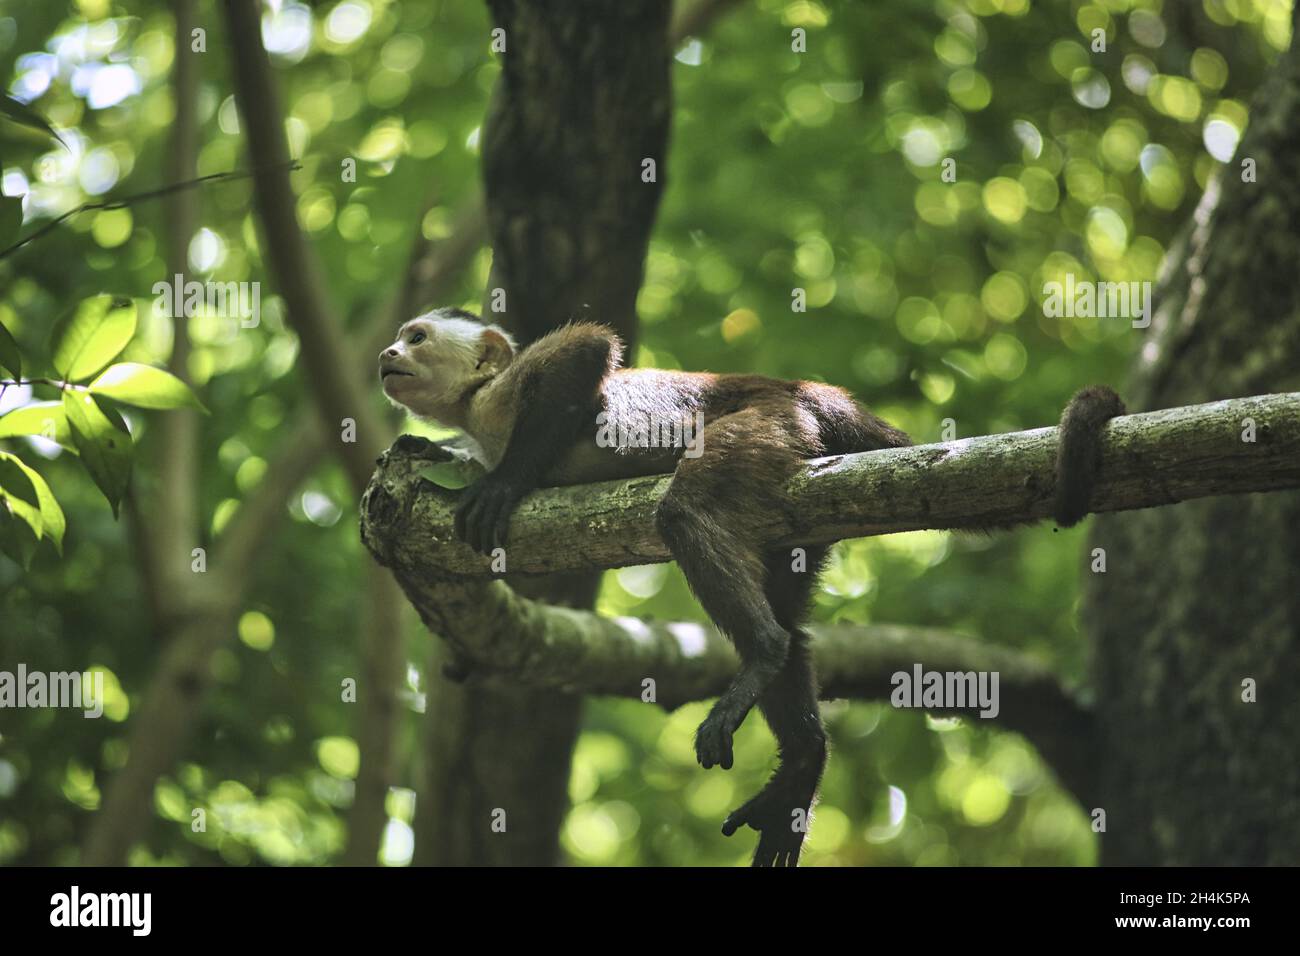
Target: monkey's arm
x,y
557,392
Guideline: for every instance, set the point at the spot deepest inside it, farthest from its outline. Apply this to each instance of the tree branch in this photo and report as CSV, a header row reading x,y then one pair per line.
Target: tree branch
x,y
496,633
326,359
160,725
256,520
1149,459
175,505
383,663
124,201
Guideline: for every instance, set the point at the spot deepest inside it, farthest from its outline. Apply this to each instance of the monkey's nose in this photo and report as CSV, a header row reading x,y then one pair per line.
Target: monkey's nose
x,y
389,353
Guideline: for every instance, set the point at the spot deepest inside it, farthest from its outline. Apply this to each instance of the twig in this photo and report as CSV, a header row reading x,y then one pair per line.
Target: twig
x,y
142,197
33,381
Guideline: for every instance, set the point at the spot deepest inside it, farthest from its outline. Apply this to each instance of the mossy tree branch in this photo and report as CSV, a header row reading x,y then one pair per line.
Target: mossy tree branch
x,y
501,636
1149,459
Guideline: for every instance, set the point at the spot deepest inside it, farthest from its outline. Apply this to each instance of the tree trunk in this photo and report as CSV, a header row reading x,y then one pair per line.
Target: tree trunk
x,y
582,106
1203,596
583,102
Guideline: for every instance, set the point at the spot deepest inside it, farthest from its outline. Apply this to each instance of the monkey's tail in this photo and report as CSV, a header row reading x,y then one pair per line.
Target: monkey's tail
x,y
1078,450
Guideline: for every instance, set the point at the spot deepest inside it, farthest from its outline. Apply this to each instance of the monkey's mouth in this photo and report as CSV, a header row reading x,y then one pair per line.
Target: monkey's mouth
x,y
384,373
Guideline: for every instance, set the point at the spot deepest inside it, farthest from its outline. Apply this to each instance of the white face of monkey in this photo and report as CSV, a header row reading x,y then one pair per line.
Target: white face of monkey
x,y
435,360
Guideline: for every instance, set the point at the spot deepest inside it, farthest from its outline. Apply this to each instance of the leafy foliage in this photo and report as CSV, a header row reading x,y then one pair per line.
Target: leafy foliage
x,y
90,337
93,333
20,113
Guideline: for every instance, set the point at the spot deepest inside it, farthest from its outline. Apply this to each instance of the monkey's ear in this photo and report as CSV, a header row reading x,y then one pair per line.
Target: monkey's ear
x,y
494,350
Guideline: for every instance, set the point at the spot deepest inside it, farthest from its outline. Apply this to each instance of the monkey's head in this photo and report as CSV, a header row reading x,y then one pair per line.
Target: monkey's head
x,y
439,359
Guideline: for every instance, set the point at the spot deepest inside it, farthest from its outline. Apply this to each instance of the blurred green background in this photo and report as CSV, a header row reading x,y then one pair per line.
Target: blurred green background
x,y
818,170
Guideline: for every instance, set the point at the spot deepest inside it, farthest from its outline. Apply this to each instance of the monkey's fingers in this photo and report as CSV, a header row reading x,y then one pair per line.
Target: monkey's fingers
x,y
467,522
713,743
772,814
501,523
477,521
485,517
775,856
745,816
469,518
467,498
778,844
496,518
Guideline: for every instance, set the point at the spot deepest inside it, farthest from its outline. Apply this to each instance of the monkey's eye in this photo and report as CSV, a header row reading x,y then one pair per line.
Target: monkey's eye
x,y
417,338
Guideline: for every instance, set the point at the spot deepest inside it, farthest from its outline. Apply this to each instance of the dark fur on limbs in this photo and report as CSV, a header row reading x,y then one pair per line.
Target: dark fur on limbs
x,y
781,812
757,597
756,433
555,401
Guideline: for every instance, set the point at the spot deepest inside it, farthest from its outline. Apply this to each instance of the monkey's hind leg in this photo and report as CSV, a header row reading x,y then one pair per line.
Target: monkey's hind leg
x,y
703,519
782,810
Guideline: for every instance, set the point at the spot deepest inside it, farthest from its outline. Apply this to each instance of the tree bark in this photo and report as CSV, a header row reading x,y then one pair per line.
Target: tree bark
x,y
582,105
175,524
500,639
1201,597
992,481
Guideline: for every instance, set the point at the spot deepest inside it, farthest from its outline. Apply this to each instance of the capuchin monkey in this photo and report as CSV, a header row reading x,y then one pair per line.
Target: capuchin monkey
x,y
564,411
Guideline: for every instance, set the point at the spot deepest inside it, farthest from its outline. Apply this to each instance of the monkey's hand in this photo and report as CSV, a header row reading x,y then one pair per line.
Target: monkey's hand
x,y
780,814
483,514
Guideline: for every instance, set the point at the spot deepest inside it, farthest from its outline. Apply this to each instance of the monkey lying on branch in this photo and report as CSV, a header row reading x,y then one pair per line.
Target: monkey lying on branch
x,y
544,416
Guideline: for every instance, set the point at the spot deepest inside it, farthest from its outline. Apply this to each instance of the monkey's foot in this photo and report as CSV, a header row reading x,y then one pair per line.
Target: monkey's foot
x,y
713,741
781,818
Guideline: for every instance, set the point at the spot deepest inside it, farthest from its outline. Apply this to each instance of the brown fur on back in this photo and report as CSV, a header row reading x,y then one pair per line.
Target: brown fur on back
x,y
812,418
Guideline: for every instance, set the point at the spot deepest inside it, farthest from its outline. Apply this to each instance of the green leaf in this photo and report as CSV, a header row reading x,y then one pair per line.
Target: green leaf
x,y
19,494
452,475
11,220
53,522
92,335
11,359
46,419
16,538
25,115
144,386
103,441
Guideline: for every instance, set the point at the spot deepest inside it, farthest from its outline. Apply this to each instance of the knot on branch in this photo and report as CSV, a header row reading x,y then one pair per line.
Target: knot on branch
x,y
401,479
